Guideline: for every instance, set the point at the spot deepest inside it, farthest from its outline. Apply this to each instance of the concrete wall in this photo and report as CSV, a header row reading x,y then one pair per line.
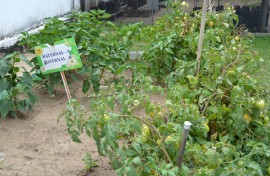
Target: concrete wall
x,y
19,15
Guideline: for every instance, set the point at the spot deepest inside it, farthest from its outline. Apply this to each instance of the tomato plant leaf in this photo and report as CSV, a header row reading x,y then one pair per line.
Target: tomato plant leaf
x,y
4,67
6,104
169,50
29,63
86,86
256,167
4,84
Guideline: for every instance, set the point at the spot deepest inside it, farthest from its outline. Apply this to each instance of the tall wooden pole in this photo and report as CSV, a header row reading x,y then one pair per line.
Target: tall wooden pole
x,y
200,44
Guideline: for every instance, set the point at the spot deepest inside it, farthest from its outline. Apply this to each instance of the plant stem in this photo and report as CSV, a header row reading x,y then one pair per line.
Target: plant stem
x,y
244,157
207,103
254,134
156,131
231,64
100,77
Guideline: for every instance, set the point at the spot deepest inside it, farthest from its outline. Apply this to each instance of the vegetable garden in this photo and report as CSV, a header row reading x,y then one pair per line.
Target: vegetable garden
x,y
226,105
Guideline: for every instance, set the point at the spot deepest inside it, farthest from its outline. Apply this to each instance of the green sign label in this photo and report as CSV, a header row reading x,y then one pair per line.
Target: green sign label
x,y
60,57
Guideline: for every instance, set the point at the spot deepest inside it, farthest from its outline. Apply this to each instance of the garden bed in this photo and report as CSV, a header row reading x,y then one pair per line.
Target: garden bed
x,y
141,134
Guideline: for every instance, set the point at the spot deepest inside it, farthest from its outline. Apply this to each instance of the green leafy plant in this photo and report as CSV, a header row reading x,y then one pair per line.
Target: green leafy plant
x,y
15,86
103,46
227,107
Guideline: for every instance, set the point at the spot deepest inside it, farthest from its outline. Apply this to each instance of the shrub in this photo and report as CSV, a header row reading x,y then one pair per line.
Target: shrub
x,y
227,107
102,45
15,86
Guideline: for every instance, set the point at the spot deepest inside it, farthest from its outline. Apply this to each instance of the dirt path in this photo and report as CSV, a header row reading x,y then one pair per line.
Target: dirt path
x,y
35,145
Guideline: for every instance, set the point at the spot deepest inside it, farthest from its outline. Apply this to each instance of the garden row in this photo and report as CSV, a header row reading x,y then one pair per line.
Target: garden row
x,y
109,48
230,132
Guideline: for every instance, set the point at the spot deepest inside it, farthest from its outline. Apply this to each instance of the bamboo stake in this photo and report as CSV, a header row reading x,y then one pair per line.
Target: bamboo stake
x,y
200,44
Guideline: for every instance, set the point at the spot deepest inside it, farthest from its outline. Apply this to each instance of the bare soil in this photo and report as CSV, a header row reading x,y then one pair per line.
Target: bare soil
x,y
34,144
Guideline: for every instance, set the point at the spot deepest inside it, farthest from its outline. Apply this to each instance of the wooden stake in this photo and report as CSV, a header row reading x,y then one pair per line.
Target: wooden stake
x,y
200,44
65,85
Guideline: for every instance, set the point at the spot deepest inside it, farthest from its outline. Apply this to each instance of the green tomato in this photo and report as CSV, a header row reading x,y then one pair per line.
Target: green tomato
x,y
136,102
146,130
174,4
211,23
177,18
261,115
241,163
184,3
106,118
158,142
260,104
168,139
266,119
142,139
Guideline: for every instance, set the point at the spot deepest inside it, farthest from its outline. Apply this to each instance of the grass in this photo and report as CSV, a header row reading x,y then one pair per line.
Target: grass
x,y
262,46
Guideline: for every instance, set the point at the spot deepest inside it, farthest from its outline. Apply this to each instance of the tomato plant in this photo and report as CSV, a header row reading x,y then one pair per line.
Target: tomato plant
x,y
15,86
227,107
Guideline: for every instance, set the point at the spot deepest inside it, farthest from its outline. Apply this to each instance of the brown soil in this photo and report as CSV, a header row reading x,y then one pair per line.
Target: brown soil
x,y
35,145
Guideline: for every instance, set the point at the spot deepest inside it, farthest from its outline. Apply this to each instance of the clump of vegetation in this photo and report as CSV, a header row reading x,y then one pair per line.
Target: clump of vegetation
x,y
103,46
15,86
227,107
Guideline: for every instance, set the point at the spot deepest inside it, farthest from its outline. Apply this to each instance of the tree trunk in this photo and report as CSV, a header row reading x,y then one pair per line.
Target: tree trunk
x,y
263,15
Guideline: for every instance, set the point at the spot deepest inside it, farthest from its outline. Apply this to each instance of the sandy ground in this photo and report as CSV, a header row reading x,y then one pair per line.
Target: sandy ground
x,y
35,145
